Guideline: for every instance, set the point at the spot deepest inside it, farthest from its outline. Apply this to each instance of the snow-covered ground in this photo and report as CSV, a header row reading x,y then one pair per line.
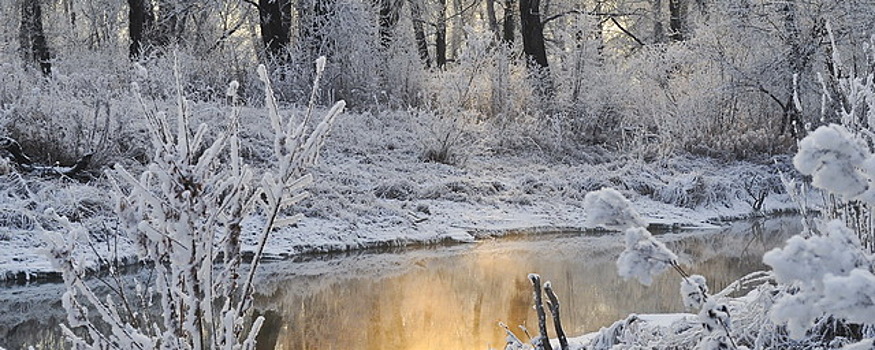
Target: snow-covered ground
x,y
373,189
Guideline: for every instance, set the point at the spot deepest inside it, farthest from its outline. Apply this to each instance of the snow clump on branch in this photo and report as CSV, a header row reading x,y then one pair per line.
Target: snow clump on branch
x,y
694,291
644,256
609,209
837,161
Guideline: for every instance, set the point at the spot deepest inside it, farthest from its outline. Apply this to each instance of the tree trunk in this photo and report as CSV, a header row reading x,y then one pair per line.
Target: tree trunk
x,y
658,30
493,21
139,18
32,37
599,32
441,35
390,11
508,30
458,28
532,32
276,25
677,18
419,33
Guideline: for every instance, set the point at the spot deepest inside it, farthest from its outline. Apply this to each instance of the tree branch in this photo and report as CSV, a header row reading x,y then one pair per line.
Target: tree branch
x,y
13,147
554,310
586,13
543,341
627,32
251,3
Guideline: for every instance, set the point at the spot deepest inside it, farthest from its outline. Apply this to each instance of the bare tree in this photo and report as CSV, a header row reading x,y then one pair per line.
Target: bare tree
x,y
170,21
313,18
508,29
658,30
493,20
156,24
140,18
797,59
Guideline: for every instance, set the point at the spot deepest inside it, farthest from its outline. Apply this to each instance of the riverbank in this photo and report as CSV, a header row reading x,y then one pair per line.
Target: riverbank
x,y
373,189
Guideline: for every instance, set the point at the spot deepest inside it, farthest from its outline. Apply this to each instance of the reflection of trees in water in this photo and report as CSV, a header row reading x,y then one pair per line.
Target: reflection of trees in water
x,y
273,322
520,303
747,239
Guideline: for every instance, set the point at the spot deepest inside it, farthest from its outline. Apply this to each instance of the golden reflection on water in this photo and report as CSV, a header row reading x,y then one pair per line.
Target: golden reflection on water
x,y
456,301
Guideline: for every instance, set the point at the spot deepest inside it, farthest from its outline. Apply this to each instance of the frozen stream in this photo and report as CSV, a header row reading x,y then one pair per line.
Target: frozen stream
x,y
449,297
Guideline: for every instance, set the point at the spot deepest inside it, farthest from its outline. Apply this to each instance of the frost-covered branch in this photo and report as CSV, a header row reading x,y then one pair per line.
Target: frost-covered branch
x,y
553,305
542,341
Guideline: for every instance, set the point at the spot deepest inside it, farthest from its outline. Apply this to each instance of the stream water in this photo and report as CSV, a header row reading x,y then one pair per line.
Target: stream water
x,y
448,297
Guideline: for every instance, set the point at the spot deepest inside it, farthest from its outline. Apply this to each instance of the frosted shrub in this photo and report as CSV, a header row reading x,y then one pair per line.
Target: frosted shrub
x,y
809,260
830,268
716,320
185,213
64,118
644,256
443,135
819,266
828,271
851,296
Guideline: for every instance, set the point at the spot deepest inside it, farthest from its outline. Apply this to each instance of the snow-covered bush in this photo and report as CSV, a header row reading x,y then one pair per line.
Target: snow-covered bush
x,y
644,256
74,114
829,268
185,213
445,135
693,291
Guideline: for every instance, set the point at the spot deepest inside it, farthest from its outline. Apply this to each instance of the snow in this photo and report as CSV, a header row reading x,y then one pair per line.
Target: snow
x,y
809,260
371,189
851,297
831,155
694,291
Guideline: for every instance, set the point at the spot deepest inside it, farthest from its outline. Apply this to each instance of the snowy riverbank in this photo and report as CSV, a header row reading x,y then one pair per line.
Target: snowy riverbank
x,y
372,189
